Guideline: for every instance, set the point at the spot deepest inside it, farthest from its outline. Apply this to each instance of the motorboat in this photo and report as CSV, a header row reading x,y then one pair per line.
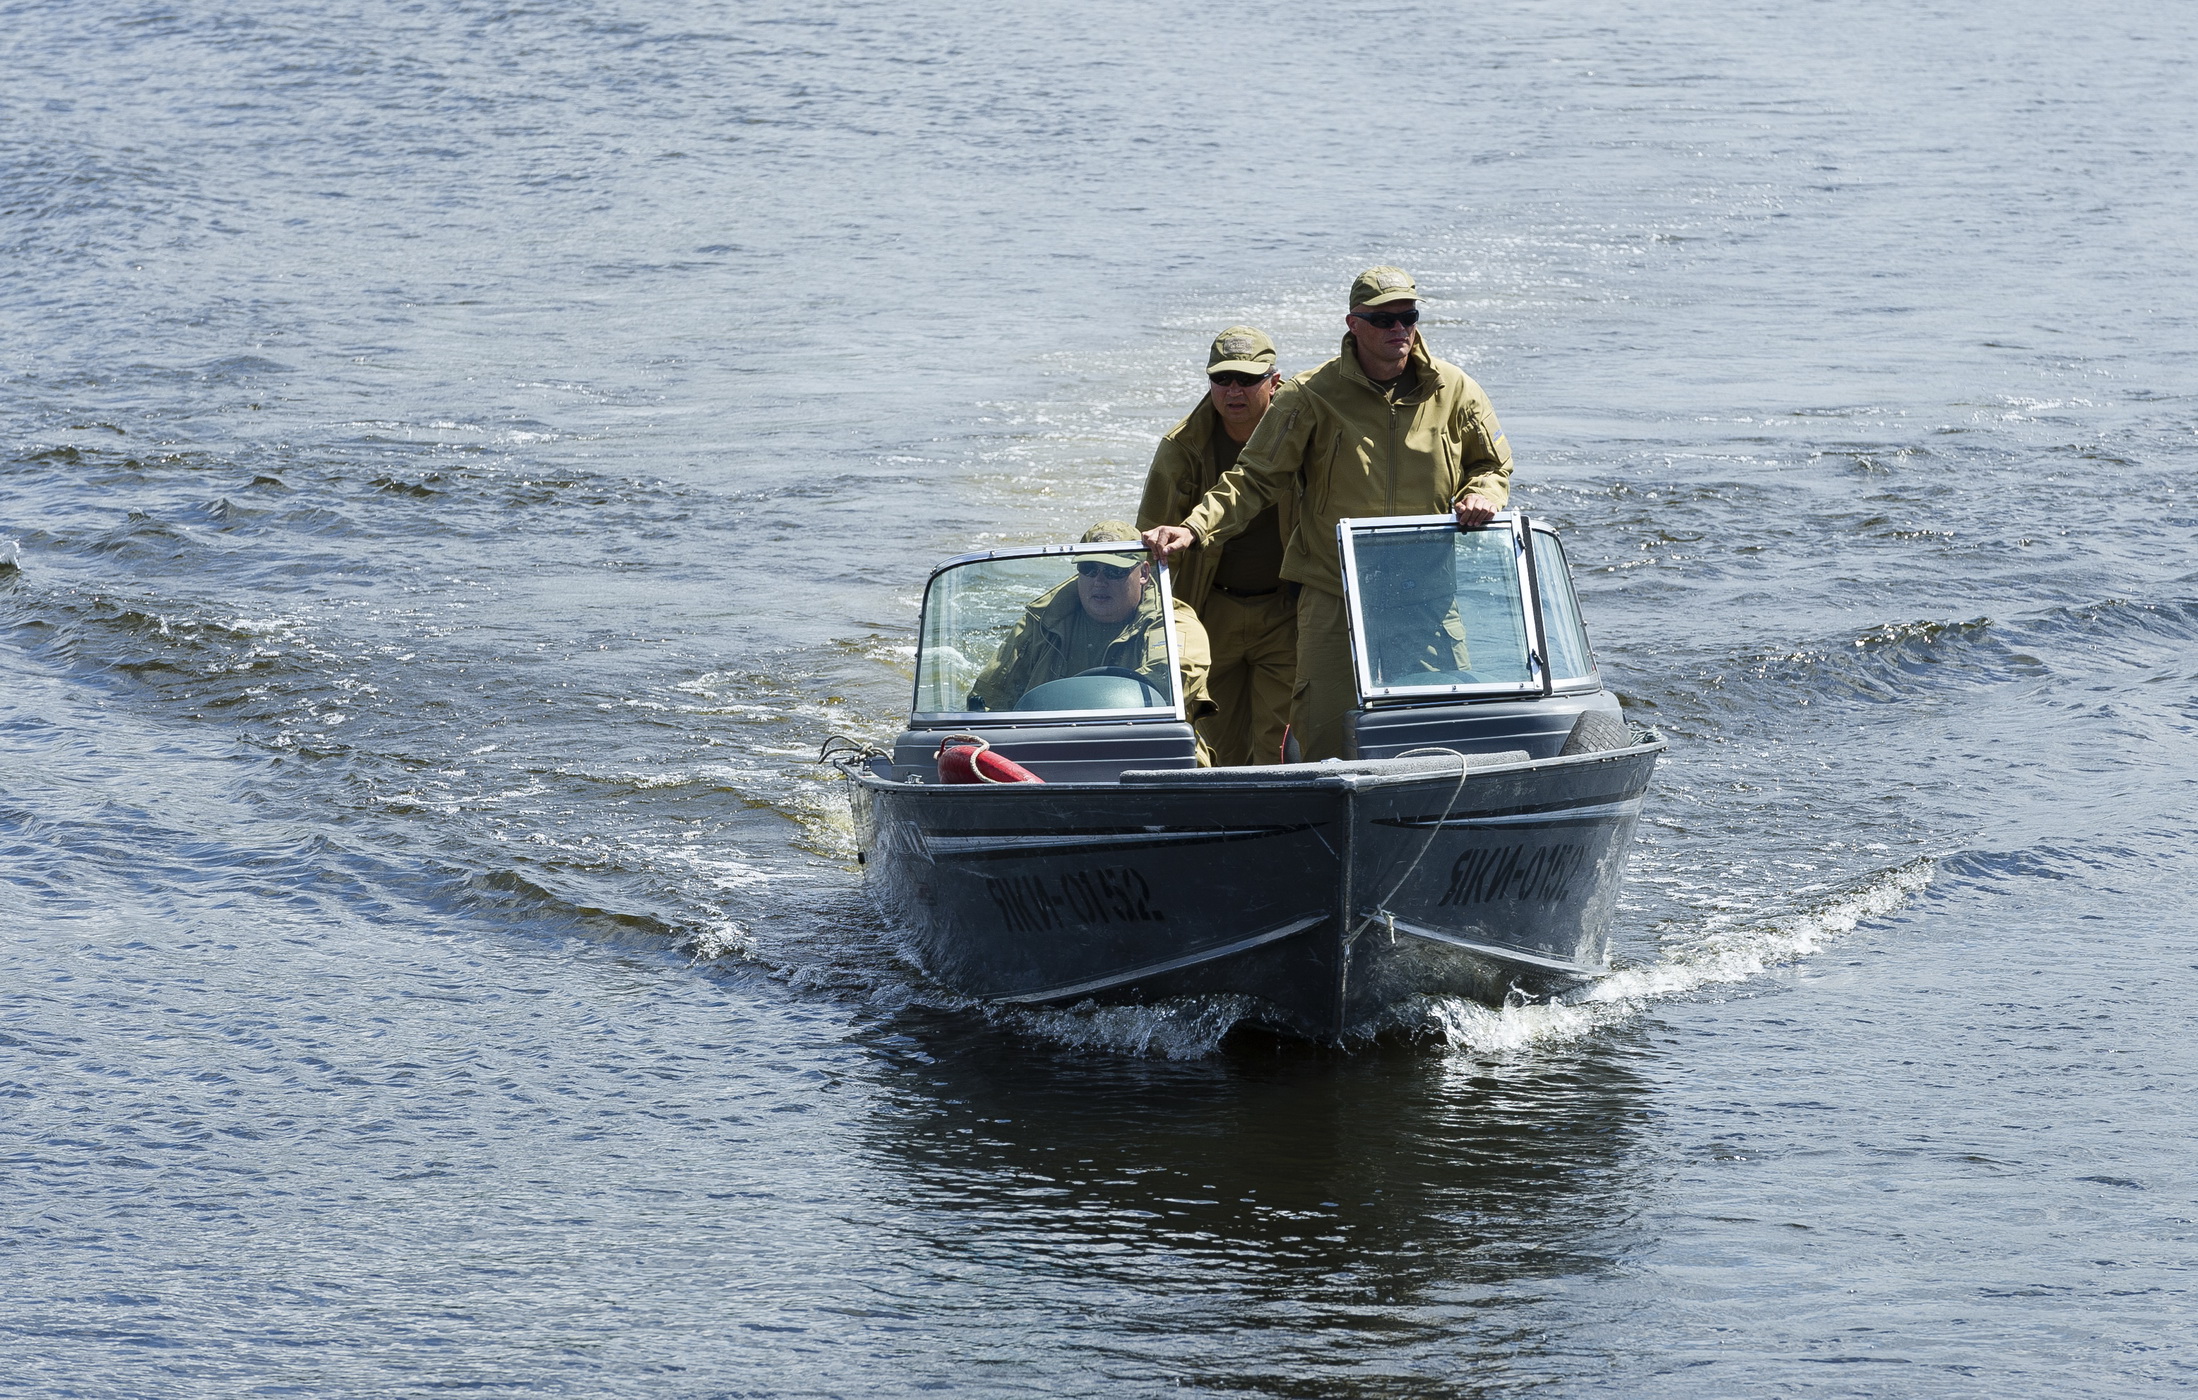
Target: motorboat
x,y
1470,843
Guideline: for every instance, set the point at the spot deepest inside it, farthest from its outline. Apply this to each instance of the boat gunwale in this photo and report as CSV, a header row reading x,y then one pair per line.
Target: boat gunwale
x,y
1321,782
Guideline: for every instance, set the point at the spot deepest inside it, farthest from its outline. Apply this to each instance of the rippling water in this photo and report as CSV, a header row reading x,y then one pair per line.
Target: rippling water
x,y
459,460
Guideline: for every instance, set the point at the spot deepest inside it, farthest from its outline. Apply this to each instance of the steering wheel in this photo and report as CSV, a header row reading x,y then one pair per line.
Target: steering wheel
x,y
1123,671
1098,688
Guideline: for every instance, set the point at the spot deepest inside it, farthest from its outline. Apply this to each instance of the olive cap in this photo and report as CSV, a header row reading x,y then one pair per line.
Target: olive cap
x,y
1378,286
1241,350
1114,530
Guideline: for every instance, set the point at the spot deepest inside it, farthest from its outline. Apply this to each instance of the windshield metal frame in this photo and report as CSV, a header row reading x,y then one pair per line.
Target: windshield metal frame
x,y
1541,682
993,719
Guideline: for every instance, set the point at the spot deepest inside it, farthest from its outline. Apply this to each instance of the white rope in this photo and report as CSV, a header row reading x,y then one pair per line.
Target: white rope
x,y
981,744
1381,910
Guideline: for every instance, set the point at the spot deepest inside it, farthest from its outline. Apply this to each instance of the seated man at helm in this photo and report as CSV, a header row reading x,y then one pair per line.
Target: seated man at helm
x,y
1108,616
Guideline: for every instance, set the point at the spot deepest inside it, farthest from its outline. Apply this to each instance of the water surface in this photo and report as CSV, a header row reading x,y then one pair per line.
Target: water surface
x,y
457,462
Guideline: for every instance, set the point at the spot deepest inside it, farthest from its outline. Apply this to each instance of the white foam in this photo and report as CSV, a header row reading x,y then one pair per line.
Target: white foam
x,y
717,939
1729,951
1517,1027
1187,1029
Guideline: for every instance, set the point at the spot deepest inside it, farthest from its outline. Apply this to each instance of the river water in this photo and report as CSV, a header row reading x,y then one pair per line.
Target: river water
x,y
458,460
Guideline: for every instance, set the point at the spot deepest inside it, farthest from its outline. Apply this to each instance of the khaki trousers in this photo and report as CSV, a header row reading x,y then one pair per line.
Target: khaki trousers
x,y
1326,689
1254,643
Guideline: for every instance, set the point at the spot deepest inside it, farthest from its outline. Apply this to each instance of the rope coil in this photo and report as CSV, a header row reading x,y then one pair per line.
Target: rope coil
x,y
844,751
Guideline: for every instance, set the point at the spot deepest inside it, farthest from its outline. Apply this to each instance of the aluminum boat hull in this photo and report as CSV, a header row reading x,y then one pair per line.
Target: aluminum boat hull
x,y
1327,900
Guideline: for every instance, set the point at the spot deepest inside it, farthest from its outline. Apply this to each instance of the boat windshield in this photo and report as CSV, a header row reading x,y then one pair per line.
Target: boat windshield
x,y
1436,610
1571,663
1074,630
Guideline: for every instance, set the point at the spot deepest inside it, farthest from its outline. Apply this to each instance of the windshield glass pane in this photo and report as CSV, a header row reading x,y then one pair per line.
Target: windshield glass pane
x,y
1569,657
1045,633
1441,607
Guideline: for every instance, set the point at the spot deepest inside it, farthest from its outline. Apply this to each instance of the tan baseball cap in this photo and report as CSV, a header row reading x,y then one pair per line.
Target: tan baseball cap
x,y
1114,530
1378,286
1242,350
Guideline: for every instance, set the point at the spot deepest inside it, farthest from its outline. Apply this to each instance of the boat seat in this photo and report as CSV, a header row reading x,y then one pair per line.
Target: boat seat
x,y
1285,774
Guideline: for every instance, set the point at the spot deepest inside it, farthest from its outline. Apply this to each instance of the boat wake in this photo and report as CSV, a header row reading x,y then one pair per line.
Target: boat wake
x,y
1730,950
1185,1028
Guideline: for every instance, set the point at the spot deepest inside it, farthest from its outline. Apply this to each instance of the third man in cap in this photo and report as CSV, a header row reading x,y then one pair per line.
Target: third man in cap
x,y
1248,608
1384,428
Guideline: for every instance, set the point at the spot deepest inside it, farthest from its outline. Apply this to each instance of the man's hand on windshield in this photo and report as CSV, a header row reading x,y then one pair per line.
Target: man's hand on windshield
x,y
1167,540
1472,511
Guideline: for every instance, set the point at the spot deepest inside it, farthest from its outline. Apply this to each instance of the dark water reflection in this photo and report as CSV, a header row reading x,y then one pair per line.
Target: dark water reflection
x,y
1268,1203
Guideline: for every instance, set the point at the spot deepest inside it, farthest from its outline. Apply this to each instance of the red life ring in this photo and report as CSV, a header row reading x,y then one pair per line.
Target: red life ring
x,y
977,763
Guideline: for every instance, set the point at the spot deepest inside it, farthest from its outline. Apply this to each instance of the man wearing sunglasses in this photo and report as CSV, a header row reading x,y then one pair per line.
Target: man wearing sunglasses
x,y
1384,428
1108,616
1237,589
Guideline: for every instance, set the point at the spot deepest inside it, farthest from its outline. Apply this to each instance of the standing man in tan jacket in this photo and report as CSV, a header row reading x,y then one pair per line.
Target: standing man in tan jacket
x,y
1384,428
1248,608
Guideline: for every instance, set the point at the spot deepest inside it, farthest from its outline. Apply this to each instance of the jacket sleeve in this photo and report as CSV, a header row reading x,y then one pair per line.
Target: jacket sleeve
x,y
1264,471
1194,657
1485,460
1166,485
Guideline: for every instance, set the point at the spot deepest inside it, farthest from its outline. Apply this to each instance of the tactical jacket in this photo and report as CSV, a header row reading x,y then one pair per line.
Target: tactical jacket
x,y
1183,470
1036,651
1334,443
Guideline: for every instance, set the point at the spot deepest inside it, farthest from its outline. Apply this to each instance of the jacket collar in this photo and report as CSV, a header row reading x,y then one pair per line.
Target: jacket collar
x,y
1419,360
1201,424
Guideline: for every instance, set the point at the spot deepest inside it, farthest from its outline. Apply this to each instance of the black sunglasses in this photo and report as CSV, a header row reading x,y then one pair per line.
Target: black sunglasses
x,y
1236,379
1389,320
1092,568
